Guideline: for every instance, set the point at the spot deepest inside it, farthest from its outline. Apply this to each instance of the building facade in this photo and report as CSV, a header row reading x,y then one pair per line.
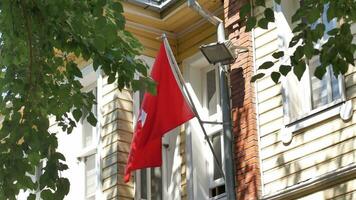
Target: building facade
x,y
290,141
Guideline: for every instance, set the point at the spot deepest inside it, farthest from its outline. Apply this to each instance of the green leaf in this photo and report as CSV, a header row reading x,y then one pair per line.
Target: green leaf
x,y
245,10
266,65
77,114
278,54
269,14
257,76
313,15
330,13
99,43
333,32
263,23
308,50
31,197
299,70
151,86
117,7
318,32
278,2
261,3
63,187
295,40
319,72
75,70
111,78
47,194
275,77
285,69
59,156
251,23
92,119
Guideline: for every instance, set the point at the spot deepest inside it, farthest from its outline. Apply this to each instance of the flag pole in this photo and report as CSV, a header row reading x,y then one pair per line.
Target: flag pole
x,y
178,76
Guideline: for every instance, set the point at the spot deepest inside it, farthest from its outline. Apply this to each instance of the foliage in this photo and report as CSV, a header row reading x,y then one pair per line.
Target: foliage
x,y
39,44
338,51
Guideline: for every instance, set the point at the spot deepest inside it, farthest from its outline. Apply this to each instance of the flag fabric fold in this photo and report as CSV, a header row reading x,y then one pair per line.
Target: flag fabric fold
x,y
158,115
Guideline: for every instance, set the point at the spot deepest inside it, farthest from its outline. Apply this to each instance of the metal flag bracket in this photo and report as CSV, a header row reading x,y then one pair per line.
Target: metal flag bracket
x,y
216,123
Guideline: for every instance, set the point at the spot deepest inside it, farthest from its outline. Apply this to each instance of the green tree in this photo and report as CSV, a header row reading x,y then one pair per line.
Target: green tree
x,y
39,43
338,51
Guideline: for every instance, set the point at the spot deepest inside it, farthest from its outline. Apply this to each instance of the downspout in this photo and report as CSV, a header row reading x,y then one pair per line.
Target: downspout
x,y
224,101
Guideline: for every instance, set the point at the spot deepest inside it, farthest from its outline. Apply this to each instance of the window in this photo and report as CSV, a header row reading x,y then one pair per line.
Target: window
x,y
217,184
211,106
90,177
202,81
150,184
89,142
310,97
210,90
326,90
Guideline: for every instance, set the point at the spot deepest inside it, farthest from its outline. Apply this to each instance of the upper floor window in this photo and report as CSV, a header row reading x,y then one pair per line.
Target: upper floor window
x,y
309,95
89,152
210,91
203,85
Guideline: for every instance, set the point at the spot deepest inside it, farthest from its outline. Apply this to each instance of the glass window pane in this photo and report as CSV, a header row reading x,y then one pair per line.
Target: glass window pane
x,y
143,186
335,87
216,142
156,183
211,92
90,176
87,133
319,89
87,128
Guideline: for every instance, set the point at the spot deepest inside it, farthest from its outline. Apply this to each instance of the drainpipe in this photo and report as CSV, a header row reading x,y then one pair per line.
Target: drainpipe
x,y
224,102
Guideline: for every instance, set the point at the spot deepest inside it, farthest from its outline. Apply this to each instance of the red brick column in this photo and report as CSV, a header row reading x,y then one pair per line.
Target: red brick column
x,y
248,179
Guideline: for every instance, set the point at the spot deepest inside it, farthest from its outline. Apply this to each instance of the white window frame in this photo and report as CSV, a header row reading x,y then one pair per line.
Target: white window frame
x,y
216,116
198,62
218,182
91,80
312,116
148,184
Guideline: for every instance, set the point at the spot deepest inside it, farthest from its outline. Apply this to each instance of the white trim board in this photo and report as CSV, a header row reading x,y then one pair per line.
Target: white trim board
x,y
315,184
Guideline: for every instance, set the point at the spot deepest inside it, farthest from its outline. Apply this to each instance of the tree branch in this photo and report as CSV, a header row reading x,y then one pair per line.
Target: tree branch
x,y
29,41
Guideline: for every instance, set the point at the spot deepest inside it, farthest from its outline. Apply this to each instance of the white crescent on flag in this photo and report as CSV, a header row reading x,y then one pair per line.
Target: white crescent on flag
x,y
143,117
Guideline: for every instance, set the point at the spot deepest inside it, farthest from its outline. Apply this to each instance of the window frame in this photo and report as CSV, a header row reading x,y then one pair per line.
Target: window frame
x,y
148,184
91,81
198,63
210,165
205,104
311,115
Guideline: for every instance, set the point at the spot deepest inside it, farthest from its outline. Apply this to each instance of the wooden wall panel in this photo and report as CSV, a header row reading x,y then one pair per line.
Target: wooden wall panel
x,y
315,150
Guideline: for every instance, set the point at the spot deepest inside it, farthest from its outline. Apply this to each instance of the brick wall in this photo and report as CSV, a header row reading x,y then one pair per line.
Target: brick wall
x,y
248,180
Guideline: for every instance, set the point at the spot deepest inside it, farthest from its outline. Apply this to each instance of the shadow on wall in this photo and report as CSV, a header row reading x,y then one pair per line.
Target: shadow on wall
x,y
246,164
313,157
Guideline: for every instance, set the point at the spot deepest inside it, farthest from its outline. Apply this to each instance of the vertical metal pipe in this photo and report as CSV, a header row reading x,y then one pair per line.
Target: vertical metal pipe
x,y
226,118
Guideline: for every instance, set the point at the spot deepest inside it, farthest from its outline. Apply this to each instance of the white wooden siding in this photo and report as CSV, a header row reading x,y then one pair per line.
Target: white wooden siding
x,y
313,151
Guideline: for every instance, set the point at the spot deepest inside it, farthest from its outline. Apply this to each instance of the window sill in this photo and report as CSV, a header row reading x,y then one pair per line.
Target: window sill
x,y
219,197
339,107
315,116
90,150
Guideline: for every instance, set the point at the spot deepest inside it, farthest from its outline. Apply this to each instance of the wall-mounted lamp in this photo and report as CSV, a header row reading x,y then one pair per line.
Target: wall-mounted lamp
x,y
221,52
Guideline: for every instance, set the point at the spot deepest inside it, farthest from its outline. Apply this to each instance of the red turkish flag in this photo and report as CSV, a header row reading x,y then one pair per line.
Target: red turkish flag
x,y
158,115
